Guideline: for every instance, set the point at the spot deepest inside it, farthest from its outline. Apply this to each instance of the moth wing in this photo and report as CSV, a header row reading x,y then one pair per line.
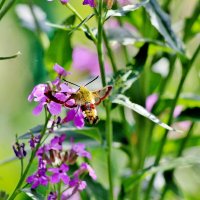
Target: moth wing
x,y
100,95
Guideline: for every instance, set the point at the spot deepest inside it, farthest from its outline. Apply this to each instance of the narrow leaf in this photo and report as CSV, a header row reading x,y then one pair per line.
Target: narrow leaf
x,y
161,21
91,132
125,9
123,100
11,57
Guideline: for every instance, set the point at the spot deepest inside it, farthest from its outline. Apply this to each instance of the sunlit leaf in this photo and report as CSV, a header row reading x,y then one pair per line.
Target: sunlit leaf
x,y
161,21
123,100
33,194
125,9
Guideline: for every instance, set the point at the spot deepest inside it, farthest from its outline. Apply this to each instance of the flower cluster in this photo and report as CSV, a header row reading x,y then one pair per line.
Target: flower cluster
x,y
55,95
56,165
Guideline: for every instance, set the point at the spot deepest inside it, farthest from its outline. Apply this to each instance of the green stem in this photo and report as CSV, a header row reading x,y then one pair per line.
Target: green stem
x,y
17,191
186,69
59,190
110,54
109,133
22,166
7,7
2,3
107,103
68,5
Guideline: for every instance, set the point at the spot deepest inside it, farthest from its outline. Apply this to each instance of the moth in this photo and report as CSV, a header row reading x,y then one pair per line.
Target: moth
x,y
85,99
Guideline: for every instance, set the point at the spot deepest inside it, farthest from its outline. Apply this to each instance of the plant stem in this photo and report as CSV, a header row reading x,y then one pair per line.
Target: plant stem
x,y
109,132
68,5
2,3
110,54
185,70
59,190
17,191
179,153
6,8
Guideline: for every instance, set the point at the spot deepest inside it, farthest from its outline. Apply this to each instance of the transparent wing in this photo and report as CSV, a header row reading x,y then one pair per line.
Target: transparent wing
x,y
100,95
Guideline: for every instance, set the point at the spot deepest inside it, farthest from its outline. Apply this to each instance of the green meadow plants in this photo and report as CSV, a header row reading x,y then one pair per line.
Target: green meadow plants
x,y
110,85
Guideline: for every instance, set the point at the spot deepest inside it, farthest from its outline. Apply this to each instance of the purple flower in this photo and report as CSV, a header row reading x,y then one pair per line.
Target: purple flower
x,y
78,183
75,115
34,140
39,178
60,70
85,168
19,150
56,142
38,95
79,150
89,2
60,174
52,196
86,60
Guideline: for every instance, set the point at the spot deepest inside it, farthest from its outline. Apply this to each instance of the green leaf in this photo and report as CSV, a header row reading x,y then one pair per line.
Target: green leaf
x,y
161,21
191,114
123,10
123,80
123,100
60,49
130,182
92,132
33,194
11,57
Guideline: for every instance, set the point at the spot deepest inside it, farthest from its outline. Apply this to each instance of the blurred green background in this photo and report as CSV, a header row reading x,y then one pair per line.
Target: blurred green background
x,y
17,80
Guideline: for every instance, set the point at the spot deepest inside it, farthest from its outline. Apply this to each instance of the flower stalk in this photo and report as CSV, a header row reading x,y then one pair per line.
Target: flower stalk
x,y
109,133
17,191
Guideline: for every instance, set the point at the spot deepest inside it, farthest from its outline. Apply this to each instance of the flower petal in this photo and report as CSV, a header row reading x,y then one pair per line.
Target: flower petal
x,y
54,108
38,109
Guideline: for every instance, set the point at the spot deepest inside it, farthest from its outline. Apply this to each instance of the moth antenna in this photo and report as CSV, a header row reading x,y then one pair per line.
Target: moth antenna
x,y
71,83
92,80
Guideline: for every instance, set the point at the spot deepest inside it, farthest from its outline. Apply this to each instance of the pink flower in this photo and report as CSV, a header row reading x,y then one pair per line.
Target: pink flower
x,y
60,70
150,101
75,115
86,168
59,174
86,60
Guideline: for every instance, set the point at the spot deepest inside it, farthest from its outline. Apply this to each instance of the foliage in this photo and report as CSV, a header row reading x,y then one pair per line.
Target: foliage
x,y
148,119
